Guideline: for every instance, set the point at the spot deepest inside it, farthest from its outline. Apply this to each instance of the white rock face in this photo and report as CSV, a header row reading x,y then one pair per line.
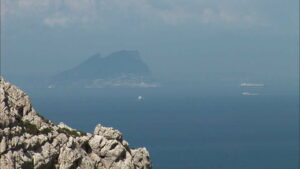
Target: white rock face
x,y
28,141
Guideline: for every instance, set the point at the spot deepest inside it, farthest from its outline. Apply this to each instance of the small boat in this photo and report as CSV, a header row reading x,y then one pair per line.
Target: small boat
x,y
252,85
140,98
249,94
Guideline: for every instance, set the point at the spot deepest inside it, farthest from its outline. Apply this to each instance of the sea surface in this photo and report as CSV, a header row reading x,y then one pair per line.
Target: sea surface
x,y
186,128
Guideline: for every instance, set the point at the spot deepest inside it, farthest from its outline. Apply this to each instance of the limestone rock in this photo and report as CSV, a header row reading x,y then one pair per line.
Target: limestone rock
x,y
29,141
108,133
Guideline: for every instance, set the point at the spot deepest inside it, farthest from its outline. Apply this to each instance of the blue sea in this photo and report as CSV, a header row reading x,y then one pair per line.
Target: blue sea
x,y
185,128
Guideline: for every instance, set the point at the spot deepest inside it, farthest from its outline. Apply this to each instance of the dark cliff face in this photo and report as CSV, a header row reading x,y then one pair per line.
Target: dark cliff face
x,y
115,65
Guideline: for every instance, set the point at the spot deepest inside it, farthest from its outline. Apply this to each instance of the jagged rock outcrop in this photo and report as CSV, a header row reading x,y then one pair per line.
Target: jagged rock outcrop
x,y
29,141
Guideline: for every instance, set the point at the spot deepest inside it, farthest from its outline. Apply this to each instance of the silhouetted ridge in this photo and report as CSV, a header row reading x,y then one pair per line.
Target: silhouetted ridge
x,y
122,68
116,64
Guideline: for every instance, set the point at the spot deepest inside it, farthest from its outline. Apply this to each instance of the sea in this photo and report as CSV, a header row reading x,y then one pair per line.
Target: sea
x,y
185,127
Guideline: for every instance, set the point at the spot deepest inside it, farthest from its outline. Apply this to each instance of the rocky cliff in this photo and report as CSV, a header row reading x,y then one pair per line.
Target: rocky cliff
x,y
29,141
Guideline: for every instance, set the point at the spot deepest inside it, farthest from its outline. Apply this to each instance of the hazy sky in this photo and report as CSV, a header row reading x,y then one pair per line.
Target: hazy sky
x,y
192,40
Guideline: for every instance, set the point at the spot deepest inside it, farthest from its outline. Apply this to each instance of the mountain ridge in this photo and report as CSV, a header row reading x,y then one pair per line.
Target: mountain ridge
x,y
129,62
123,68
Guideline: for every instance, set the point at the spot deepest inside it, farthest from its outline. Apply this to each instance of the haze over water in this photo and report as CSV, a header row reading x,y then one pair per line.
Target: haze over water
x,y
228,69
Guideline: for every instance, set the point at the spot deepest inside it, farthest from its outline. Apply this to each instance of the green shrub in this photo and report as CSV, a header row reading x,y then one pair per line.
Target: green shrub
x,y
32,129
29,128
68,132
46,130
82,133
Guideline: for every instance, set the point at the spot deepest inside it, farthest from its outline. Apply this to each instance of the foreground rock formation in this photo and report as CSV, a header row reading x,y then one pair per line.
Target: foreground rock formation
x,y
27,141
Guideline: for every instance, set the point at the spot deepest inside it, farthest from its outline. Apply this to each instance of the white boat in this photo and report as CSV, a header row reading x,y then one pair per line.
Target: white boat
x,y
140,98
252,85
249,94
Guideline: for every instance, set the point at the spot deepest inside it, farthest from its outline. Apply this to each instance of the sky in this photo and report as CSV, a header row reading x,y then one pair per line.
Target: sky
x,y
195,41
